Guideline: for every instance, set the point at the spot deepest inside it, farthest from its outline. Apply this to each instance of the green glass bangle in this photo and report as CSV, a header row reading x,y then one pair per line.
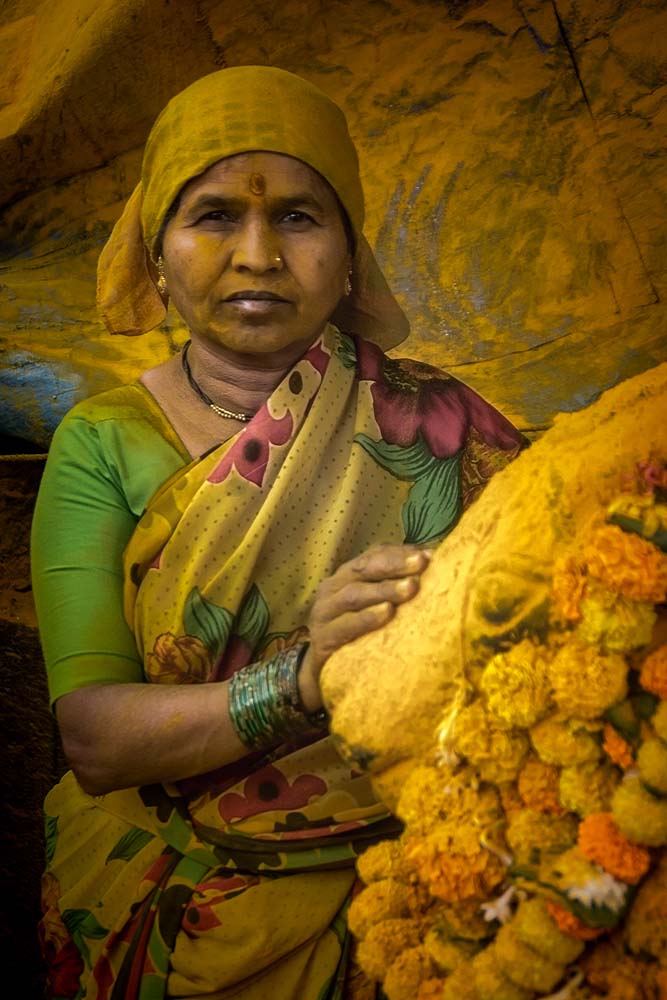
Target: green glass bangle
x,y
264,702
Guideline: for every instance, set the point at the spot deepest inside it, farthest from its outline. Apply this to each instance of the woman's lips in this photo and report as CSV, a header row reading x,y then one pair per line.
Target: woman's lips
x,y
255,303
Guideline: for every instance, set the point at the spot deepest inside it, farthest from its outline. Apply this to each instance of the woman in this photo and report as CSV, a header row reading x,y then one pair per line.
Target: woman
x,y
234,517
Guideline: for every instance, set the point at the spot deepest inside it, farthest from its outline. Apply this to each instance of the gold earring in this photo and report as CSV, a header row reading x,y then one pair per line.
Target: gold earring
x,y
348,282
162,279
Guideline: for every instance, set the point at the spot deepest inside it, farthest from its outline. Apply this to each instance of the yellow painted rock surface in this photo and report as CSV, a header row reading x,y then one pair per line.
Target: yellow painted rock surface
x,y
490,583
512,154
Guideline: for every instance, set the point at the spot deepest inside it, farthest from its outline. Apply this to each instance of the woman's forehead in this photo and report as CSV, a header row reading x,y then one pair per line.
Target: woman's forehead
x,y
259,173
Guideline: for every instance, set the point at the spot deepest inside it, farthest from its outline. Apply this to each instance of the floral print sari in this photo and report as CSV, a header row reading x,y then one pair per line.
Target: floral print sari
x,y
236,883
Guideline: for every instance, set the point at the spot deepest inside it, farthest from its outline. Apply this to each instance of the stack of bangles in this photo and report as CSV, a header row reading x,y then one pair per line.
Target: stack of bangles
x,y
264,702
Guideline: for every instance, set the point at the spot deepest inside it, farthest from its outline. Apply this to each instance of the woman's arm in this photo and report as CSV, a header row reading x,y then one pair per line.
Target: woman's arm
x,y
120,735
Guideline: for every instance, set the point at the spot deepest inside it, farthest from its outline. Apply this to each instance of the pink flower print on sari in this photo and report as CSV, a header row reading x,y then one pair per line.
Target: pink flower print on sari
x,y
412,399
268,789
425,418
200,914
249,455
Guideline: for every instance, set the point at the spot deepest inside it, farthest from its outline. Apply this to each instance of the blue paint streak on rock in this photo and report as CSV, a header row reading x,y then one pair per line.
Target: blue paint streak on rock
x,y
35,396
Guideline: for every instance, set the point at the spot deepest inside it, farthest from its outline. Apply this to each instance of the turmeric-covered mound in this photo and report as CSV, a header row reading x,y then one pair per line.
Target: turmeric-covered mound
x,y
514,717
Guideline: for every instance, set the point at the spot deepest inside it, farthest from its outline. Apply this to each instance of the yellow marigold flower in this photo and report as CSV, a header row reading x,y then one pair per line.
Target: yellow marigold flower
x,y
463,921
383,860
524,966
460,985
652,764
384,942
490,980
433,793
627,563
563,741
538,786
588,788
639,815
647,919
568,588
569,924
585,682
530,835
601,841
534,925
178,659
614,622
516,685
653,673
404,976
659,720
496,753
453,865
617,749
447,954
383,900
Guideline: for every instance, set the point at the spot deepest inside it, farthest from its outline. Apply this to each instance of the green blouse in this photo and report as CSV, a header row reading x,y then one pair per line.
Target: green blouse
x,y
107,458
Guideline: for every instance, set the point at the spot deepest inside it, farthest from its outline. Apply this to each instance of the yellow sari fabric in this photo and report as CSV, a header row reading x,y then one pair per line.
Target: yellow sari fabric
x,y
235,883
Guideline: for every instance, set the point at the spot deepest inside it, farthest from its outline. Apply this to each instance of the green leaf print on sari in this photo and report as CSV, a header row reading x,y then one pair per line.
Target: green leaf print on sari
x,y
129,845
50,836
253,618
207,621
83,924
433,504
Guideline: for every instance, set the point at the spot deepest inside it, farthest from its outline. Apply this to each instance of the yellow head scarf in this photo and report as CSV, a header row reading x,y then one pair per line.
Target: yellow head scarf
x,y
232,111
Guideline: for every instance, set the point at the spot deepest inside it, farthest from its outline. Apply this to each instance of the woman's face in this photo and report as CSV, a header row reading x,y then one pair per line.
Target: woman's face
x,y
256,255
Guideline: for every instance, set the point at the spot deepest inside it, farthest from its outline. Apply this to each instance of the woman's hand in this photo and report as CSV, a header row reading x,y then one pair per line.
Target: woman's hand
x,y
361,596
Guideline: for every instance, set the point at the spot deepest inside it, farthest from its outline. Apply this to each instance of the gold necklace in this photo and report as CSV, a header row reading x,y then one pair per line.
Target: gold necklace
x,y
220,410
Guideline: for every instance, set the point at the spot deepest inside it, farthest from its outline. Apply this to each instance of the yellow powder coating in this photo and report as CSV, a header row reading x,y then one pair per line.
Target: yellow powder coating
x,y
510,154
558,798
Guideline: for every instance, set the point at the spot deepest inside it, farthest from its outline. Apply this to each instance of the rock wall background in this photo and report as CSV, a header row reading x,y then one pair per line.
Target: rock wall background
x,y
513,154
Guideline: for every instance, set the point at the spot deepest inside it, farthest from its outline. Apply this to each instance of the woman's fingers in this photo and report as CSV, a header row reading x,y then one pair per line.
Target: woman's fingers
x,y
382,562
361,597
354,624
359,594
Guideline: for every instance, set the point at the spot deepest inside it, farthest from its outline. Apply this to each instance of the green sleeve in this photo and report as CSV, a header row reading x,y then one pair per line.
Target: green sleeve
x,y
98,478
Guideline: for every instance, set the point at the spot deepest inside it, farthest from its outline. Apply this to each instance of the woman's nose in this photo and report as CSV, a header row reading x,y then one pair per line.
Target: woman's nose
x,y
256,248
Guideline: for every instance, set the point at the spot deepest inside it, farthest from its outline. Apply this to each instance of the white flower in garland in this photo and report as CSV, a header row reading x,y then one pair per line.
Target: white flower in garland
x,y
602,890
500,909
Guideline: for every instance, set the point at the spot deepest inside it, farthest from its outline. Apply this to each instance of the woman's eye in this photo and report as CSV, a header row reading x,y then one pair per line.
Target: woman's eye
x,y
297,216
217,215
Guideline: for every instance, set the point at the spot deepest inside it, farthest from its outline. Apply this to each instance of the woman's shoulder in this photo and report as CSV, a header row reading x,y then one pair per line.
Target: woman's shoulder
x,y
123,402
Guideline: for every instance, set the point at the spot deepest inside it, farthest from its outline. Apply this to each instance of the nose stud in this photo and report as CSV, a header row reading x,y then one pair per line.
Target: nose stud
x,y
277,259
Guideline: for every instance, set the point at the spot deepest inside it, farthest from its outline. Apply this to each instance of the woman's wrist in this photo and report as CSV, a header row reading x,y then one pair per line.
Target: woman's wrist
x,y
265,701
309,688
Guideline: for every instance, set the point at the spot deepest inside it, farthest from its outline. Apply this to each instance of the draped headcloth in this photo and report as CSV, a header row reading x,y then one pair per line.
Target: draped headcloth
x,y
238,110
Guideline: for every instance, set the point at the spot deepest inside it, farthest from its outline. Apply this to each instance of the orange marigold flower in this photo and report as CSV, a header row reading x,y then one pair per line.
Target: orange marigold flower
x,y
458,870
600,840
653,673
568,588
627,563
431,989
617,749
538,787
569,924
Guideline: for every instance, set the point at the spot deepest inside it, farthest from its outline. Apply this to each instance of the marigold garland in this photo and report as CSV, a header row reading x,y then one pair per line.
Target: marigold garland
x,y
535,836
568,923
653,673
600,840
617,749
